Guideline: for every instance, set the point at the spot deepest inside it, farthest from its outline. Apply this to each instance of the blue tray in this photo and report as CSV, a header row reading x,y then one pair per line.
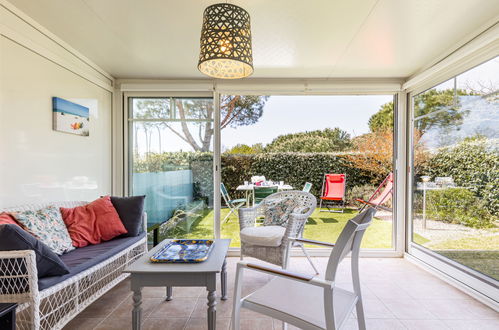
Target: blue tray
x,y
184,251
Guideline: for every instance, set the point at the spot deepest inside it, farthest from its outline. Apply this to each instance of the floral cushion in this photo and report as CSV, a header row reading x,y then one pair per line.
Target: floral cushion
x,y
277,211
48,226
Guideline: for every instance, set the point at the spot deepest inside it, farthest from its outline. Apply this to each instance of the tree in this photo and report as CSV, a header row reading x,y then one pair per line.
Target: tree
x,y
191,119
244,149
383,119
328,140
428,102
374,153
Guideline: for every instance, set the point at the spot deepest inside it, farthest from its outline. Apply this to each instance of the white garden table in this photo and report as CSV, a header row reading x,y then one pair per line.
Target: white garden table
x,y
249,189
144,273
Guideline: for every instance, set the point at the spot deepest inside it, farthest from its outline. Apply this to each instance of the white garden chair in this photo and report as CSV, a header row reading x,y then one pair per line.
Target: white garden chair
x,y
306,301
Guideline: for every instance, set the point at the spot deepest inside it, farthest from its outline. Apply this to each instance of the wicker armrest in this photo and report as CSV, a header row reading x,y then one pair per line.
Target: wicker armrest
x,y
313,242
247,217
282,272
19,277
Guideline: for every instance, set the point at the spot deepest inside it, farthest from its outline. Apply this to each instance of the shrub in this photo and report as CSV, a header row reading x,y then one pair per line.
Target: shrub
x,y
474,164
363,192
293,168
458,205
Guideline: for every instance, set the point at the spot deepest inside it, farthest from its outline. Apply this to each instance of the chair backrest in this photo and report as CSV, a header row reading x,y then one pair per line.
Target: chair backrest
x,y
225,193
380,196
304,200
262,192
349,241
334,186
307,187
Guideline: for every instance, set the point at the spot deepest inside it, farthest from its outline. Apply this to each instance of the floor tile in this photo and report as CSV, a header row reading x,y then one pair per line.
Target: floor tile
x,y
115,324
125,309
170,323
196,323
447,309
256,323
375,324
408,309
424,324
375,309
427,303
472,324
81,323
179,307
224,308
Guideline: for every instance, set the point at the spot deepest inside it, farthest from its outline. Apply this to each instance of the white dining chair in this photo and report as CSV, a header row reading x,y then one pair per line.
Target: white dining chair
x,y
306,301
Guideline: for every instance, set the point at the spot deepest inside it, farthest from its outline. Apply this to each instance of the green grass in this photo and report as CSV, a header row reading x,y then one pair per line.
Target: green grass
x,y
322,226
482,243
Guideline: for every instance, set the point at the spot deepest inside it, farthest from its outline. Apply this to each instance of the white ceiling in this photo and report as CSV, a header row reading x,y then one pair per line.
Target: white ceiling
x,y
291,39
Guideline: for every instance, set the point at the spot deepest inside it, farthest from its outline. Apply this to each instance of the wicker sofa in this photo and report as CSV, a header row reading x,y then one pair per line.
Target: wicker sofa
x,y
51,302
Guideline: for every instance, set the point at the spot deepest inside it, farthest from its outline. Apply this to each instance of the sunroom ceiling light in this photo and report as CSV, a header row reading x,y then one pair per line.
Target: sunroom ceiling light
x,y
226,42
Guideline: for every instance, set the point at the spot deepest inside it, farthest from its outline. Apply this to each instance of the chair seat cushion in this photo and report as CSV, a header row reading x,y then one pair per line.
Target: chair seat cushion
x,y
239,200
302,300
263,235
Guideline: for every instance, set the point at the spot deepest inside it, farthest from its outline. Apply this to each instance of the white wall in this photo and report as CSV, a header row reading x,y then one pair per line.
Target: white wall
x,y
37,163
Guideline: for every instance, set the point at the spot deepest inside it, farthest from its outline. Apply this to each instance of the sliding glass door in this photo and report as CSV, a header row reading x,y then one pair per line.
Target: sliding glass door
x,y
455,182
171,162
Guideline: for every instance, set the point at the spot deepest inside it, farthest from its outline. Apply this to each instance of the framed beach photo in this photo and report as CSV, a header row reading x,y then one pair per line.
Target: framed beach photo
x,y
69,117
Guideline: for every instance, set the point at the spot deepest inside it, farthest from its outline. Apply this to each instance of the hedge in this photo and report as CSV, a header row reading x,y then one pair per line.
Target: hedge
x,y
474,165
292,168
458,205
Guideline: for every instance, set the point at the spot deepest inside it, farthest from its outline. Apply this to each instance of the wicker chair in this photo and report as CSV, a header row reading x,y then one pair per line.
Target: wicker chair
x,y
277,255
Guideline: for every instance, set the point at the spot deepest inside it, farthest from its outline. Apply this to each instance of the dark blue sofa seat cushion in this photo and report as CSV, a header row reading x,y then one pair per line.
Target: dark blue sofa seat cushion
x,y
86,257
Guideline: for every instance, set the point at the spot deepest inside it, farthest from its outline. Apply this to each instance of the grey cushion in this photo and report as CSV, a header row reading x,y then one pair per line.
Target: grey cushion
x,y
83,258
13,237
130,210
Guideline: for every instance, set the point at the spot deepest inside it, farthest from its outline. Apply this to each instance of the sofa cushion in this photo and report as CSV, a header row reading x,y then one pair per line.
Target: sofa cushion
x,y
277,211
13,237
7,218
93,223
263,235
83,258
48,226
130,210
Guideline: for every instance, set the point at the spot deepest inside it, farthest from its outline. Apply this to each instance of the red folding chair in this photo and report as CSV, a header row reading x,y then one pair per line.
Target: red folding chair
x,y
381,196
333,191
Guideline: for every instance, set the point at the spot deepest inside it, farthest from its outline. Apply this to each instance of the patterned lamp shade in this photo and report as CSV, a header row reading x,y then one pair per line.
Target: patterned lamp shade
x,y
226,42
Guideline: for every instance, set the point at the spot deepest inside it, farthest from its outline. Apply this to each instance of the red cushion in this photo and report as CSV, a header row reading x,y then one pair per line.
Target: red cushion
x,y
93,223
7,218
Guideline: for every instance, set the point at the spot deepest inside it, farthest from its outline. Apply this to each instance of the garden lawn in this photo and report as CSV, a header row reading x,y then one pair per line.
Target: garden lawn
x,y
322,226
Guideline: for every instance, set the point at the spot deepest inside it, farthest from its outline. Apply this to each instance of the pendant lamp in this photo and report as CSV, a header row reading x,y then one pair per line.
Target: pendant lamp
x,y
226,42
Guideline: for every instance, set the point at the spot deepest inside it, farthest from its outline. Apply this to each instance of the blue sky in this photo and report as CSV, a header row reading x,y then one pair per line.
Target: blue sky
x,y
291,114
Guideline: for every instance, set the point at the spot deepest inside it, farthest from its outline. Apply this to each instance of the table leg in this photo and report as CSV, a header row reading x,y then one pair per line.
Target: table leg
x,y
223,280
212,310
137,309
169,293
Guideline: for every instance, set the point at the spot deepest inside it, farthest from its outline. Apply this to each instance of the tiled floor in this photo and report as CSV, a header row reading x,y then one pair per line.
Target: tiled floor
x,y
397,295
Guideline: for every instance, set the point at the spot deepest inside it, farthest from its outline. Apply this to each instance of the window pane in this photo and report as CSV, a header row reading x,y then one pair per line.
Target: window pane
x,y
173,166
456,162
150,108
298,139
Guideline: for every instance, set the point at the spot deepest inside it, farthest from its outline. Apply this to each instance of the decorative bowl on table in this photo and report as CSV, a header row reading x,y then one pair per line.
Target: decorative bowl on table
x,y
184,251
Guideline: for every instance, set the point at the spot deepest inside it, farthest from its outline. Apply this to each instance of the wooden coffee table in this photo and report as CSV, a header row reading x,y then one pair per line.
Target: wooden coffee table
x,y
144,273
